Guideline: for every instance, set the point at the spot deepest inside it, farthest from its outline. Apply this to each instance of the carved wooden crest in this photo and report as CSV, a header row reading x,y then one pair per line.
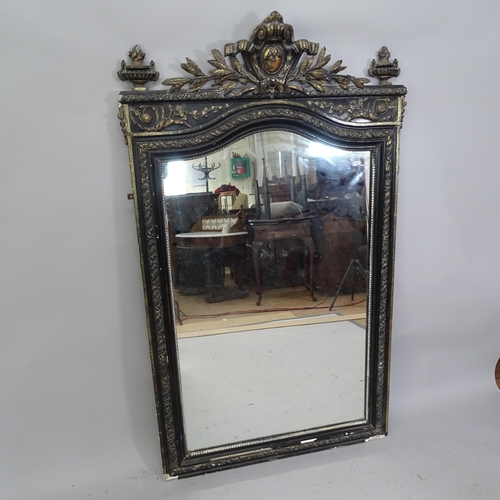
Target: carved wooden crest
x,y
270,62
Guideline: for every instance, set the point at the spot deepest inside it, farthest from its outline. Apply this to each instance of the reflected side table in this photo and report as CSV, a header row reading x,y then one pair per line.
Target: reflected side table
x,y
211,242
282,229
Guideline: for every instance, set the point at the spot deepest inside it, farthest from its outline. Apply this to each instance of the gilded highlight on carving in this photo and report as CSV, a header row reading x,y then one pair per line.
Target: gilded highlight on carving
x,y
137,72
273,62
382,109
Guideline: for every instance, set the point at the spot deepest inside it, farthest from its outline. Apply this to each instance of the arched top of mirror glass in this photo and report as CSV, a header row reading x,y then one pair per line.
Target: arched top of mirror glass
x,y
265,193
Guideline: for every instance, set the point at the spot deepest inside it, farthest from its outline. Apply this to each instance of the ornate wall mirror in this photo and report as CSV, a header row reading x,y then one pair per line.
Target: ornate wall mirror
x,y
265,195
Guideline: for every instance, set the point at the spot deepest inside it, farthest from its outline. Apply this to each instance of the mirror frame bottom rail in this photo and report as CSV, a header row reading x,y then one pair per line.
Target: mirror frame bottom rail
x,y
241,459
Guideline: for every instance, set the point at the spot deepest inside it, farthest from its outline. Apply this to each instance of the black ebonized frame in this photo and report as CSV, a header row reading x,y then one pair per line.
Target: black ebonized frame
x,y
364,117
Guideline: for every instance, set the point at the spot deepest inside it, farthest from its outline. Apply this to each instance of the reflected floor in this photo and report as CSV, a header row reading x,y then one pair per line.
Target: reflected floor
x,y
247,385
279,305
233,385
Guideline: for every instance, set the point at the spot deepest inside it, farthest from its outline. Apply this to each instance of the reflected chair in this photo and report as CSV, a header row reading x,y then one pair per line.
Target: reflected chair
x,y
282,220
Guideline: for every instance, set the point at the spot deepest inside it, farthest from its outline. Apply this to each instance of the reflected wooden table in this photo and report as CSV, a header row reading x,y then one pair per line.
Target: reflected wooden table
x,y
211,242
282,229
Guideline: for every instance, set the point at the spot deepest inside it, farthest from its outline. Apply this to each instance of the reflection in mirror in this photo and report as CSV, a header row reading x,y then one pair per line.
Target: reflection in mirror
x,y
266,238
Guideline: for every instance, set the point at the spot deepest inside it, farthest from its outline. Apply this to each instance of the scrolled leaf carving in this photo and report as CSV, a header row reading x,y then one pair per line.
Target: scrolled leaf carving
x,y
156,118
379,109
272,62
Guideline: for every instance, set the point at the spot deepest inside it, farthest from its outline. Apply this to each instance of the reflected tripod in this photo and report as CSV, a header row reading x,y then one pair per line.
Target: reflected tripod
x,y
358,214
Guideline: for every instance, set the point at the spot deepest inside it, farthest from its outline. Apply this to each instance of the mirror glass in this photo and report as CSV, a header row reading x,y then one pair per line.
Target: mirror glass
x,y
287,217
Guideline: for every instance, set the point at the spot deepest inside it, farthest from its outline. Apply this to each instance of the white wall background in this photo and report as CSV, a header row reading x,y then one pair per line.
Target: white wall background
x,y
77,417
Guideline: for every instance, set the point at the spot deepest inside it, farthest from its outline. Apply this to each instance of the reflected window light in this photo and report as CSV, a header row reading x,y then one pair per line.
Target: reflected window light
x,y
323,151
175,181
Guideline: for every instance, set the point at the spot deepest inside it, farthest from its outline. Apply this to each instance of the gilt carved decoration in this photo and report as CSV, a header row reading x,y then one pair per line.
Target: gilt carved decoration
x,y
383,69
137,72
273,62
155,118
160,117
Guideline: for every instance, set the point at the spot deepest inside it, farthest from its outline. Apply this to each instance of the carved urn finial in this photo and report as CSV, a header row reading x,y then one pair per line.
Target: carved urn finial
x,y
384,68
138,73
